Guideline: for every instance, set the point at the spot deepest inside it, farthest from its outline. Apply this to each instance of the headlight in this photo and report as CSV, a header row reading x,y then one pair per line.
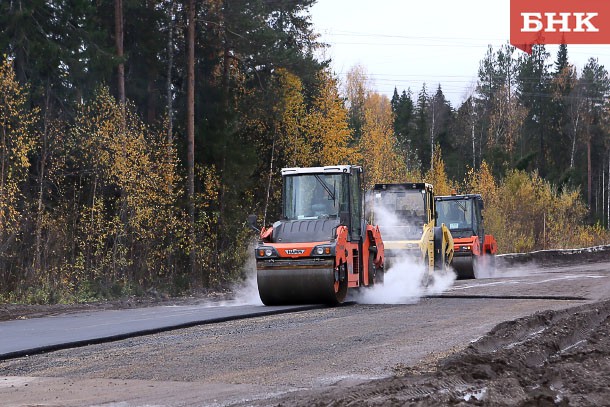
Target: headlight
x,y
265,252
323,250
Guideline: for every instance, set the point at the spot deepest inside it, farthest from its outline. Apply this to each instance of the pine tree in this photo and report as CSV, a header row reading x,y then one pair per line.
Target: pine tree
x,y
421,139
565,117
465,136
596,89
534,94
404,115
441,122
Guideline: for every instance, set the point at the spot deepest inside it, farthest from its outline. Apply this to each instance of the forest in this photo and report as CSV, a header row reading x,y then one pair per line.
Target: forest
x,y
137,136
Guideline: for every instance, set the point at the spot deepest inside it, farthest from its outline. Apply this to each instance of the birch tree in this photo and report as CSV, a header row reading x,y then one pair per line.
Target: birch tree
x,y
18,137
378,145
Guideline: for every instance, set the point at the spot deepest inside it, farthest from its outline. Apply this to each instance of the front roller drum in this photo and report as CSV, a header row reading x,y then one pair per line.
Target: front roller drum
x,y
315,283
464,266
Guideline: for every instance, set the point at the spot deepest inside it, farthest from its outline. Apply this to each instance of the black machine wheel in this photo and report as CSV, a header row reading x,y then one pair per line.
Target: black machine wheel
x,y
340,286
439,250
465,266
375,274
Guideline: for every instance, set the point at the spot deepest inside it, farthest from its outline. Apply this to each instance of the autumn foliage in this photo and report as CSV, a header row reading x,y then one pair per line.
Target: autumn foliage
x,y
102,219
525,213
94,205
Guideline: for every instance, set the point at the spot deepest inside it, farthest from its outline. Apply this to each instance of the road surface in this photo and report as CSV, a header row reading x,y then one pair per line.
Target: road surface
x,y
37,335
256,360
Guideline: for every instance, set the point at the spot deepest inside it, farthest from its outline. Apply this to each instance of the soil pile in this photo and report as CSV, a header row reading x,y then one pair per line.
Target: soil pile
x,y
547,359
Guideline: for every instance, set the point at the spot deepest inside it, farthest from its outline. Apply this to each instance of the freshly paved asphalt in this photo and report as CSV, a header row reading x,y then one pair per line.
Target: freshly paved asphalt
x,y
26,337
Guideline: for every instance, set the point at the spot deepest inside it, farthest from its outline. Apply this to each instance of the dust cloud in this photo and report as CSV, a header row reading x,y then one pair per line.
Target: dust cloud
x,y
405,279
246,292
404,283
493,267
484,270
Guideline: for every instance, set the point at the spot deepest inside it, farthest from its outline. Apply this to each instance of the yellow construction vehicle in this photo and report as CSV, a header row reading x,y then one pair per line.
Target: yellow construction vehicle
x,y
406,215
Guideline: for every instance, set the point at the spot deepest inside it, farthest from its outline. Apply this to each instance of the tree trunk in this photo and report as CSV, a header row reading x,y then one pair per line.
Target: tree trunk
x,y
170,67
118,33
603,188
589,176
152,76
269,180
3,194
474,152
225,106
432,129
37,266
151,106
190,132
170,110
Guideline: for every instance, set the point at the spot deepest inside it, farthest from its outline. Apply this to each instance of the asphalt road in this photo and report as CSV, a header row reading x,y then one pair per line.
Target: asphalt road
x,y
31,336
238,362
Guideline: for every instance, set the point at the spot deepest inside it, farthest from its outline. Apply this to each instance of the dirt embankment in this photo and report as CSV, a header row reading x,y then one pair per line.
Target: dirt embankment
x,y
556,256
547,359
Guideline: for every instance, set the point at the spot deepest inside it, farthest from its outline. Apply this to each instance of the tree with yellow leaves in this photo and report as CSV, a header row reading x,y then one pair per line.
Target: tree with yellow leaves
x,y
378,146
482,182
327,126
437,176
132,178
290,113
17,140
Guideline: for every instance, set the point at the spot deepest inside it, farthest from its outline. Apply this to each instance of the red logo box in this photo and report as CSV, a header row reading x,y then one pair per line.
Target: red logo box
x,y
559,21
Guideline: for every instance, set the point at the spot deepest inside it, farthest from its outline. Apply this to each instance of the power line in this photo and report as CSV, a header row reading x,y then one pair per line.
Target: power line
x,y
364,34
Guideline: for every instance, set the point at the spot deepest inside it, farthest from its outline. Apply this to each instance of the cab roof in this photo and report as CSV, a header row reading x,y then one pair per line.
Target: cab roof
x,y
458,197
402,186
330,169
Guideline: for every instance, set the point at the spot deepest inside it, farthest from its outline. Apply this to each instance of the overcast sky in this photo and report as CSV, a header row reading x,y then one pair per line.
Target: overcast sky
x,y
404,43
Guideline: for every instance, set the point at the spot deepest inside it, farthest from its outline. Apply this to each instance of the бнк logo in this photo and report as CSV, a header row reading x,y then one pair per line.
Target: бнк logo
x,y
559,21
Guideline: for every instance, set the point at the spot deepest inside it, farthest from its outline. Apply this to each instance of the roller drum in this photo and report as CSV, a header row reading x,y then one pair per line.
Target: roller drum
x,y
464,266
299,282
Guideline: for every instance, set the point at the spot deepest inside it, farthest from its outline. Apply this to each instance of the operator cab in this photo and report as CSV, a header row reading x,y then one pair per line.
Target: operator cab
x,y
313,196
401,210
316,201
461,214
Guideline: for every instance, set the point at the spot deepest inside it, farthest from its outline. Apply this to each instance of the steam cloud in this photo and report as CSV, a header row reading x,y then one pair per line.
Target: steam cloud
x,y
246,292
403,281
